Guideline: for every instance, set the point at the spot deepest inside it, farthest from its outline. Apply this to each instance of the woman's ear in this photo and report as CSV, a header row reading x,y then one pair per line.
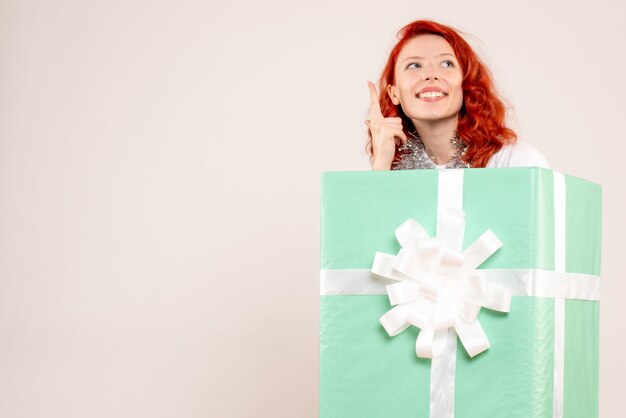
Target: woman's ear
x,y
393,95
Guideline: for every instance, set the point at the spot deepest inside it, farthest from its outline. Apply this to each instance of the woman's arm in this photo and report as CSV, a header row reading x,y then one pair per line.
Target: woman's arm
x,y
384,132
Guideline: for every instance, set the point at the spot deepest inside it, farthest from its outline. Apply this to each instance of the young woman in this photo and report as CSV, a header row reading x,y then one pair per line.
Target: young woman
x,y
438,108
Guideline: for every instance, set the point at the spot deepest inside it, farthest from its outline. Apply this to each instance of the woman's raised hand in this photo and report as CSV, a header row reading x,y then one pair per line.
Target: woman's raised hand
x,y
385,133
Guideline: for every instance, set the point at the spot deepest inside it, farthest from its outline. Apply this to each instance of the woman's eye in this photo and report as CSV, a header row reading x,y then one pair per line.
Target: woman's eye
x,y
413,65
447,63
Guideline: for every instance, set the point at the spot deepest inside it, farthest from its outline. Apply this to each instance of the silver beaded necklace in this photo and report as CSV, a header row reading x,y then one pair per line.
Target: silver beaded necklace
x,y
414,155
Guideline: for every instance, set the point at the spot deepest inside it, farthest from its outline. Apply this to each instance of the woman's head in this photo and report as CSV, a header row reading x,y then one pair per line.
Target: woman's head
x,y
465,86
427,80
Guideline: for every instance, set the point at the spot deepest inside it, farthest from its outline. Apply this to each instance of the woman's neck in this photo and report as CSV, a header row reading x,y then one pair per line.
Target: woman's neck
x,y
436,136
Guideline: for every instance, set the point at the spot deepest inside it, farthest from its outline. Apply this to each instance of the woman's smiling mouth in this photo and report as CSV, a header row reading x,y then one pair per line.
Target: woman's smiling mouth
x,y
431,95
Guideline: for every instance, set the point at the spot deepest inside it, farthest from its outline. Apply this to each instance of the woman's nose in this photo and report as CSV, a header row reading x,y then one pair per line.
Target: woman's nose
x,y
431,72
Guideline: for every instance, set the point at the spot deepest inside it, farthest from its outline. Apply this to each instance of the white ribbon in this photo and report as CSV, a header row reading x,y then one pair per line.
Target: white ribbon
x,y
443,368
437,285
521,282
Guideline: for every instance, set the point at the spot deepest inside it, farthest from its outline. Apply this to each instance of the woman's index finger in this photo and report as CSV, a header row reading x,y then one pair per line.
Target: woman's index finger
x,y
374,103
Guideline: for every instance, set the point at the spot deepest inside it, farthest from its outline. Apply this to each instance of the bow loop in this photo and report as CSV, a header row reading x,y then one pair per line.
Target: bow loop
x,y
408,264
409,233
481,249
402,292
429,252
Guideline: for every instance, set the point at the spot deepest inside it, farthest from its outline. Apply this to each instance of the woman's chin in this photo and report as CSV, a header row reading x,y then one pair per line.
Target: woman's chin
x,y
430,117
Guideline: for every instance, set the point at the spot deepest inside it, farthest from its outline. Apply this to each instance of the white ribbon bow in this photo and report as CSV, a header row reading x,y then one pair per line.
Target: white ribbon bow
x,y
438,286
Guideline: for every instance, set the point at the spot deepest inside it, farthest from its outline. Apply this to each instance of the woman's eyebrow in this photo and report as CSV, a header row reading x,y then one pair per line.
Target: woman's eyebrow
x,y
421,58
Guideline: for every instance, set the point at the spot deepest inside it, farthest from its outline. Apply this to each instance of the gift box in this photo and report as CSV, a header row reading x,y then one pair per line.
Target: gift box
x,y
542,355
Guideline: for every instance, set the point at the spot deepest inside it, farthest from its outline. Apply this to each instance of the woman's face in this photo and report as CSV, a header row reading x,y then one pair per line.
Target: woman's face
x,y
428,80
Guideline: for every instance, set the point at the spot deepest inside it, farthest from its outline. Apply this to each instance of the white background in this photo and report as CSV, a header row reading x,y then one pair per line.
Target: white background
x,y
159,185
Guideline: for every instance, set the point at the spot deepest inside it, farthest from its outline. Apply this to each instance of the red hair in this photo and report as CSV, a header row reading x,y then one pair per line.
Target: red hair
x,y
481,118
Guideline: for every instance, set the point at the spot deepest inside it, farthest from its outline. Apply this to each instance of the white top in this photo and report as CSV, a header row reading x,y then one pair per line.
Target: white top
x,y
518,154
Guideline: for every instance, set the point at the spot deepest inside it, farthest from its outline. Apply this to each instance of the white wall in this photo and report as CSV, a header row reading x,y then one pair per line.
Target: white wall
x,y
159,185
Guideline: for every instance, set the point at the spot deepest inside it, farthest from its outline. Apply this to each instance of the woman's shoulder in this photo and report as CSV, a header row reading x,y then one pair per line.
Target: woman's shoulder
x,y
517,154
